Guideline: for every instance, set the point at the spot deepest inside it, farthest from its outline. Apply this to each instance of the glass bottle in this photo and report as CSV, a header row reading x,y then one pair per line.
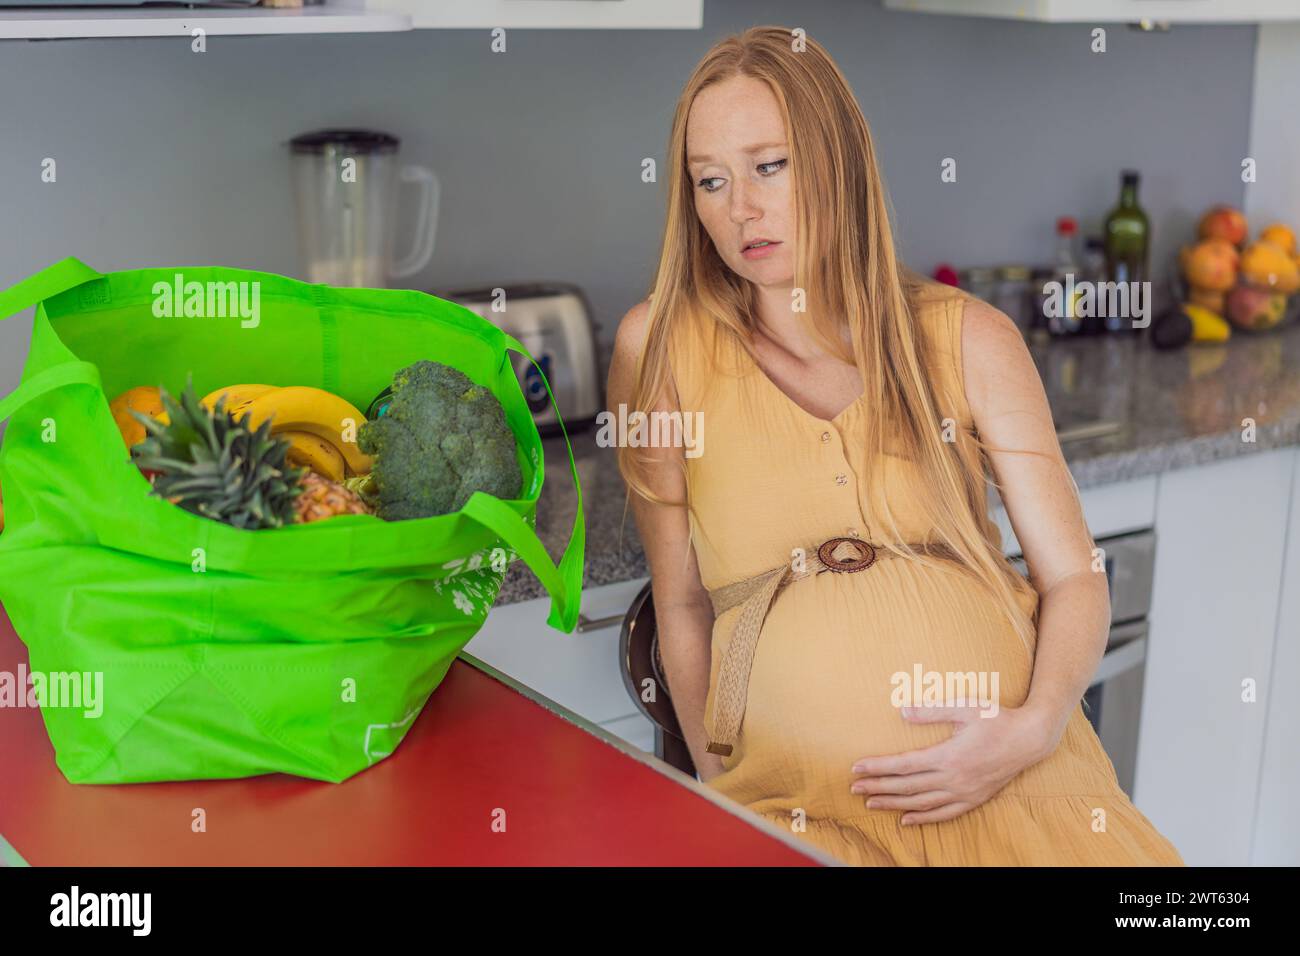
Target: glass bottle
x,y
1127,235
1064,318
1094,270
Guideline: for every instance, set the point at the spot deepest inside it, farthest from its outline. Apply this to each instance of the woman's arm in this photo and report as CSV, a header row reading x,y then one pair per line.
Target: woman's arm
x,y
1010,409
683,611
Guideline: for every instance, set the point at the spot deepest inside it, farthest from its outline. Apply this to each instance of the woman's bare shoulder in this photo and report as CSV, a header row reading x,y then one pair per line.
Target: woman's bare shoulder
x,y
629,344
988,334
629,341
632,327
997,367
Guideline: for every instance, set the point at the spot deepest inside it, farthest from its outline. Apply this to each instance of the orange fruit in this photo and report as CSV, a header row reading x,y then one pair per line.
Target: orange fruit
x,y
1210,264
1281,236
144,399
1268,266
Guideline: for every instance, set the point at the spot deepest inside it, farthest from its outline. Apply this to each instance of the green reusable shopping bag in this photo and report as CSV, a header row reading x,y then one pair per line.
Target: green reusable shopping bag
x,y
308,649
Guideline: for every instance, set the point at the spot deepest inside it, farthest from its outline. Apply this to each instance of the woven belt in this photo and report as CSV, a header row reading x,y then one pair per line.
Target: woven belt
x,y
841,555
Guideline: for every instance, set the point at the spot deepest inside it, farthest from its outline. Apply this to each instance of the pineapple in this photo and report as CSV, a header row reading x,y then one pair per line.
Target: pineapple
x,y
321,498
210,464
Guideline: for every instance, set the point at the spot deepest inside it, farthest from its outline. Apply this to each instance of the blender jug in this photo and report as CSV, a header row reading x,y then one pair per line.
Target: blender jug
x,y
346,184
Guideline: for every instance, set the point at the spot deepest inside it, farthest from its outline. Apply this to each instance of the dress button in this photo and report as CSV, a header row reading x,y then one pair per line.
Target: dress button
x,y
852,532
826,436
841,478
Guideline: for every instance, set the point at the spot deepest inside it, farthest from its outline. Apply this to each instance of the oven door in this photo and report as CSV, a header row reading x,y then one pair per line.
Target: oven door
x,y
1113,703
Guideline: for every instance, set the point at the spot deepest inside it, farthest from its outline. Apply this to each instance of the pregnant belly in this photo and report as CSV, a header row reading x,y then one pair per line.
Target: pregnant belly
x,y
839,653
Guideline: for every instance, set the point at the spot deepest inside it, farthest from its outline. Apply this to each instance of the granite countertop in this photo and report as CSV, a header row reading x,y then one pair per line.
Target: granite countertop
x,y
1176,409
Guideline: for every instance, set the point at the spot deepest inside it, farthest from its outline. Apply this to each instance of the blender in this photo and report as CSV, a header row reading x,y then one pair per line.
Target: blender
x,y
346,186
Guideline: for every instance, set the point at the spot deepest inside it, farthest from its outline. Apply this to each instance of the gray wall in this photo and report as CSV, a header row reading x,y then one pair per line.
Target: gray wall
x,y
1274,132
166,157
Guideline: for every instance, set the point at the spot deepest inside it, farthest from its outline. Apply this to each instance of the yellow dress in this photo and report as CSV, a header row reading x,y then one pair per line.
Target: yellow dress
x,y
773,476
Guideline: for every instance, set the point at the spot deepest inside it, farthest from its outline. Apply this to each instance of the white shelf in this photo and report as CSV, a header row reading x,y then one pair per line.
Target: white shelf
x,y
1110,11
83,22
548,14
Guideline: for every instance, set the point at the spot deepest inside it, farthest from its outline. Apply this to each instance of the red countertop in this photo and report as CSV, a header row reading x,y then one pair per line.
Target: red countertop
x,y
571,798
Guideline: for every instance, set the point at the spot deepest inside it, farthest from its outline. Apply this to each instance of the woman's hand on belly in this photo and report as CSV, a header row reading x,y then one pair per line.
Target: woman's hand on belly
x,y
950,778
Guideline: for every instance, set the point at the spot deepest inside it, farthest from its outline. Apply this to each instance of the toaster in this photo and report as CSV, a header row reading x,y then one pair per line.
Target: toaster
x,y
553,321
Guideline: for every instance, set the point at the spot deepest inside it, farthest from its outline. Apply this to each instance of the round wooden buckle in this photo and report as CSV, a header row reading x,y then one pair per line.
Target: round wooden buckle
x,y
825,549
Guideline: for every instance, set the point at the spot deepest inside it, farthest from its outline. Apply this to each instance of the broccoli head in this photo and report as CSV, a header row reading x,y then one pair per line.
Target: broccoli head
x,y
442,439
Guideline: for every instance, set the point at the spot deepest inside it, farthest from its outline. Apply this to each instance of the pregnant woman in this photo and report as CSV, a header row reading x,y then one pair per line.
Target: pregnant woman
x,y
821,554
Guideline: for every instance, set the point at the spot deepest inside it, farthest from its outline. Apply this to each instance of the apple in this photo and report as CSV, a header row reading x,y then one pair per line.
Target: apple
x,y
1223,222
1250,307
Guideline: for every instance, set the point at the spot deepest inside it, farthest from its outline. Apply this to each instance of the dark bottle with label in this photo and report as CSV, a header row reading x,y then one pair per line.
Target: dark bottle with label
x,y
1127,238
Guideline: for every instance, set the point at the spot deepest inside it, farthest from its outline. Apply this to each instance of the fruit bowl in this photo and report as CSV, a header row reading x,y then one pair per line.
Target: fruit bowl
x,y
1247,307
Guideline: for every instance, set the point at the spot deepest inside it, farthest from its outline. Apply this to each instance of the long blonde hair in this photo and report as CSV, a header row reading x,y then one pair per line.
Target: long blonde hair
x,y
846,264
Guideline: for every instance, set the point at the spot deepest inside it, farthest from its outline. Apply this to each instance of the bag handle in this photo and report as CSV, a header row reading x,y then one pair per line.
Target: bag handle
x,y
63,275
69,373
564,583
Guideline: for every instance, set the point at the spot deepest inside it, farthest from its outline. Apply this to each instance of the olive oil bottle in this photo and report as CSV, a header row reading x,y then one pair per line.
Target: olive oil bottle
x,y
1127,238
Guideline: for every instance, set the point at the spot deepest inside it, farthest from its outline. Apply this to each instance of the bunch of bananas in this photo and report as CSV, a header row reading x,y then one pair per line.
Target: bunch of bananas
x,y
320,427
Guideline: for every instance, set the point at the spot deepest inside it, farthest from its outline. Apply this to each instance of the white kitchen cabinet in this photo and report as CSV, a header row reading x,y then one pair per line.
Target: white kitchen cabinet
x,y
348,16
580,671
61,23
1221,531
1110,11
1277,826
548,14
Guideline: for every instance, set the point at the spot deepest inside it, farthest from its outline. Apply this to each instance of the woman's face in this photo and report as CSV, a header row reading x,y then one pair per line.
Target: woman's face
x,y
738,162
